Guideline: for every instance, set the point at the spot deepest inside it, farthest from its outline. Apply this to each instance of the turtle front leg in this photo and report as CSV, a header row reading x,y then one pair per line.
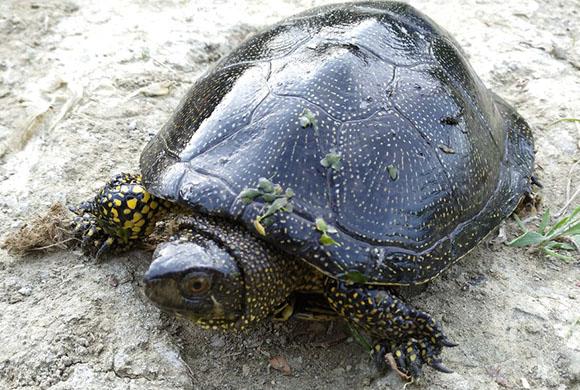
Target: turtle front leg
x,y
403,336
120,215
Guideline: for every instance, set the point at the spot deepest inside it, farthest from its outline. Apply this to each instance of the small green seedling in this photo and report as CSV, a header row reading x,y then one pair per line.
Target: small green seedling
x,y
561,240
393,172
249,194
332,160
326,230
307,118
275,200
354,277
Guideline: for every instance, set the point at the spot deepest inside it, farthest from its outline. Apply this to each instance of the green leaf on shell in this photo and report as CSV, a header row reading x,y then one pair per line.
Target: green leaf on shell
x,y
325,239
277,205
265,185
321,225
269,198
307,118
278,189
325,228
332,160
355,277
275,199
393,172
249,194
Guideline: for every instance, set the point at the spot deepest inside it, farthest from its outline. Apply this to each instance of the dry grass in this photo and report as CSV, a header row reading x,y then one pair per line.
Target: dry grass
x,y
44,233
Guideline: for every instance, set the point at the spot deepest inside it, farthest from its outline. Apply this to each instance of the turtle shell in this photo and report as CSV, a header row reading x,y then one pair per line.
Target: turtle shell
x,y
429,160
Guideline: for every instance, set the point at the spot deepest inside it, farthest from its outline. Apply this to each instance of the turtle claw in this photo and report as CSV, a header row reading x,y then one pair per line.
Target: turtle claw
x,y
93,239
438,365
409,358
105,247
448,343
534,181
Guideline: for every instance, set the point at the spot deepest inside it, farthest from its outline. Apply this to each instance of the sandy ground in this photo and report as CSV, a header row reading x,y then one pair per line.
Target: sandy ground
x,y
84,85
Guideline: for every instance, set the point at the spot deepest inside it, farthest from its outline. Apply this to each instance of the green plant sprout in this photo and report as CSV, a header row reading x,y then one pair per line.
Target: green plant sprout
x,y
561,240
274,197
332,160
307,118
326,230
393,172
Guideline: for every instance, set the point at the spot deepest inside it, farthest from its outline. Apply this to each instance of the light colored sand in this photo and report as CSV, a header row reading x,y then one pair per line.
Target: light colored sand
x,y
68,322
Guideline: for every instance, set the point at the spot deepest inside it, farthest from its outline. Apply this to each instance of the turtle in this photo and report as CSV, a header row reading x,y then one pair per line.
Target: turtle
x,y
343,152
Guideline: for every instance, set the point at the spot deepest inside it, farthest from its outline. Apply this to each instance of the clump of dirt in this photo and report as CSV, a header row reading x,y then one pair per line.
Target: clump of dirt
x,y
47,232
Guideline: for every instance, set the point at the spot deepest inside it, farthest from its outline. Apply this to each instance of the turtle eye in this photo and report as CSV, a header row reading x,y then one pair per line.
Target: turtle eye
x,y
195,284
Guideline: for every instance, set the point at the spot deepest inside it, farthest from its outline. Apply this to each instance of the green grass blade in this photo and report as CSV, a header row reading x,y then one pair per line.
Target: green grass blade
x,y
564,235
564,120
557,255
545,221
527,239
554,231
359,338
563,224
560,245
572,230
576,240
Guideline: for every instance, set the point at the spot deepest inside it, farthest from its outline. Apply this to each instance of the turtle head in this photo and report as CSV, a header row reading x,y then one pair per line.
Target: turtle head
x,y
198,280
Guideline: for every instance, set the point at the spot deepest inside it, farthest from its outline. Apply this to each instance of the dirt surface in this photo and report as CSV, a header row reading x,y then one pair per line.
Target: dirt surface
x,y
85,84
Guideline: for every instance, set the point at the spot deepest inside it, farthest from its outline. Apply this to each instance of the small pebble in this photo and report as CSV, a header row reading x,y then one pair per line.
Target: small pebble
x,y
26,291
16,224
525,383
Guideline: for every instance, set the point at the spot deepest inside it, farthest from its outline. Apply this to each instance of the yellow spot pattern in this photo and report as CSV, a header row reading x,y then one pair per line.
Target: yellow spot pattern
x,y
132,203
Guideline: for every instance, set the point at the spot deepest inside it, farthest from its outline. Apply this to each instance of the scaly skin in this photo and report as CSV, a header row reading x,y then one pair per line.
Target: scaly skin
x,y
412,336
123,213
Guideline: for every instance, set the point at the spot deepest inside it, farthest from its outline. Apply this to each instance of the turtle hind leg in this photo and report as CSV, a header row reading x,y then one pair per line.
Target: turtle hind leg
x,y
121,214
404,338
